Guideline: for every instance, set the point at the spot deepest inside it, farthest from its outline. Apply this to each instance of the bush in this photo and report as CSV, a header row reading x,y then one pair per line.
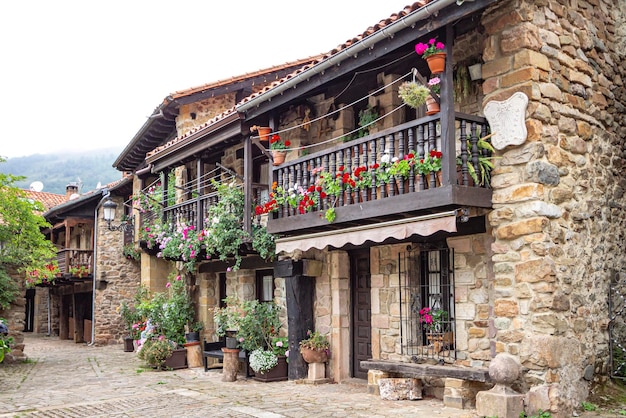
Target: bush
x,y
155,351
262,360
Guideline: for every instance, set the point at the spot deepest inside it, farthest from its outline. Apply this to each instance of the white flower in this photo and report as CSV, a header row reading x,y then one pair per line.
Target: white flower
x,y
394,159
385,158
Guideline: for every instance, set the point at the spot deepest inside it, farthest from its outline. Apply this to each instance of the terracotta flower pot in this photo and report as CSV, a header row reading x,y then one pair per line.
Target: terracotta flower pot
x,y
432,106
314,356
436,62
279,157
264,133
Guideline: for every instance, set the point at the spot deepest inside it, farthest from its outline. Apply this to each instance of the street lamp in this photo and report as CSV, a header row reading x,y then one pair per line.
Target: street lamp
x,y
109,216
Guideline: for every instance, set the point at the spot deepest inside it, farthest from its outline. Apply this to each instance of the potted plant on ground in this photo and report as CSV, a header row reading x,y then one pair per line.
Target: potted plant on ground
x,y
156,350
316,348
131,318
168,313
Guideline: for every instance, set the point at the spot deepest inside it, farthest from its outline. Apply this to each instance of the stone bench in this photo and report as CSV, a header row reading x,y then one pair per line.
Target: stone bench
x,y
461,383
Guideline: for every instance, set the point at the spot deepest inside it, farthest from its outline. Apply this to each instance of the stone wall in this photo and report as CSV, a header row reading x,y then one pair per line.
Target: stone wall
x,y
117,280
14,318
558,199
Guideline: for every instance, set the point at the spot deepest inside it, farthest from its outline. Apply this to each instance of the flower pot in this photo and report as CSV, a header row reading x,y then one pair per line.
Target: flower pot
x,y
275,374
440,340
432,106
436,62
178,359
192,336
279,157
264,133
231,342
314,356
129,345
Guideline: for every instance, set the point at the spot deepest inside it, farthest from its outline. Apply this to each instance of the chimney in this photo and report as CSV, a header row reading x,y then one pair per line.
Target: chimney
x,y
70,189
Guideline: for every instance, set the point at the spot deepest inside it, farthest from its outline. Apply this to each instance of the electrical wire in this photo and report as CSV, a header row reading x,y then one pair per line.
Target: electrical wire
x,y
342,108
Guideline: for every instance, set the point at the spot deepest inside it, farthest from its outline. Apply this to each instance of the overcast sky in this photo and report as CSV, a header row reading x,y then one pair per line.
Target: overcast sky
x,y
84,75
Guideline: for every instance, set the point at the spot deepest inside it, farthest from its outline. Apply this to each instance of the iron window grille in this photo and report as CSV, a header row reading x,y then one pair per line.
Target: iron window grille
x,y
426,291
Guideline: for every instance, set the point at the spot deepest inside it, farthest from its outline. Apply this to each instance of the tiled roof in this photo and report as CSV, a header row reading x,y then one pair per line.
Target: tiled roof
x,y
92,194
237,78
163,121
48,200
311,63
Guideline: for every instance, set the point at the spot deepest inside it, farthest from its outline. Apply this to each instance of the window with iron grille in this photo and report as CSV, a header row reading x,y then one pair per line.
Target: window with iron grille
x,y
427,302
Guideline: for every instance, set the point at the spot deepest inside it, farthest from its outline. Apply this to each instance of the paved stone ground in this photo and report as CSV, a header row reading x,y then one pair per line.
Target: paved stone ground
x,y
63,379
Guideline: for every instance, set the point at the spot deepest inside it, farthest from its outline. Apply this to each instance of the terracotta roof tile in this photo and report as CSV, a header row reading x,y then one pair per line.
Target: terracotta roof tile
x,y
48,200
241,77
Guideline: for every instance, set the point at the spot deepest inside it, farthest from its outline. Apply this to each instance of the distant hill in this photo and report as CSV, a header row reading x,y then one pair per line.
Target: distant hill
x,y
55,171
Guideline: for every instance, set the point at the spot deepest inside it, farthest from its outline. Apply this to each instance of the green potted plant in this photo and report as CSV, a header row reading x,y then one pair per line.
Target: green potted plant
x,y
315,348
482,176
131,319
413,93
435,322
279,149
155,351
130,252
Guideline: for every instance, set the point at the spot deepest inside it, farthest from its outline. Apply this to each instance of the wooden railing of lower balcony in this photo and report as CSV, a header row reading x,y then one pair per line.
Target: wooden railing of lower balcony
x,y
416,193
74,257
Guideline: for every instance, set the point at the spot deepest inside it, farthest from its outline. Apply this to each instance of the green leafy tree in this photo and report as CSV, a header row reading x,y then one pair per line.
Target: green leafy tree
x,y
22,245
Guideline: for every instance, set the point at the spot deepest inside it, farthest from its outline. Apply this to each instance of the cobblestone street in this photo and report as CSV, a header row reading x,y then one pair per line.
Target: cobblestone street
x,y
63,379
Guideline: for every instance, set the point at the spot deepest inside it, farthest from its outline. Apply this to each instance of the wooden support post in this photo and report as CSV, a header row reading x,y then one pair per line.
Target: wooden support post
x,y
299,290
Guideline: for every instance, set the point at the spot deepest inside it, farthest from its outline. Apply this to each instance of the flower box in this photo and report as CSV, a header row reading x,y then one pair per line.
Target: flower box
x,y
276,374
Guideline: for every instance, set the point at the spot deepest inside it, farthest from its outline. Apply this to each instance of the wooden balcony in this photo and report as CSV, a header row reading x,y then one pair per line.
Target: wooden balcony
x,y
418,194
74,257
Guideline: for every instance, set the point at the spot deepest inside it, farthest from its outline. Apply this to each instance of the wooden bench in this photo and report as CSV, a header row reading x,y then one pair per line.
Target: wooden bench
x,y
214,350
461,385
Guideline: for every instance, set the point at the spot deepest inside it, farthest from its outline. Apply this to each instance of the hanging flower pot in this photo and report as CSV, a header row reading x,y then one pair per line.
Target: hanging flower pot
x,y
432,106
436,62
264,133
279,157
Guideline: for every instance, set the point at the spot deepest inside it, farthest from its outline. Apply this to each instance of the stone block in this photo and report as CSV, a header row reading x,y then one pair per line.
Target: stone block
x,y
317,371
500,402
397,388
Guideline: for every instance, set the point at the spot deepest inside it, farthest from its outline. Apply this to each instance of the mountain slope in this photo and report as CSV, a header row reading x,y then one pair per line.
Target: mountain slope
x,y
55,171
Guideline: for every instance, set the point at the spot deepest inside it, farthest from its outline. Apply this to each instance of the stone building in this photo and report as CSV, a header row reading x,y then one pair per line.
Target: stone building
x,y
521,262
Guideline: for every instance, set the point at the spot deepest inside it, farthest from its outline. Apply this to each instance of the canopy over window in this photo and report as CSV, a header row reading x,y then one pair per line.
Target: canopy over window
x,y
398,229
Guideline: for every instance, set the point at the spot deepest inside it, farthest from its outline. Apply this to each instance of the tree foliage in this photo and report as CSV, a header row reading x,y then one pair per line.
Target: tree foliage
x,y
22,245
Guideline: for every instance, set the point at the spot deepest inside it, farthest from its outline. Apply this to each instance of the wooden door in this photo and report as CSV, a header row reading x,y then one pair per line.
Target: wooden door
x,y
361,312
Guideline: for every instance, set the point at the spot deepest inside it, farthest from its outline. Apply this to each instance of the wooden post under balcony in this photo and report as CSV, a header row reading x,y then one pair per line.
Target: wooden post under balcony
x,y
199,177
447,114
247,184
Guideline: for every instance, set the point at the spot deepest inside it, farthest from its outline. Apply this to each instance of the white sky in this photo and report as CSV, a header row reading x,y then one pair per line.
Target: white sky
x,y
84,75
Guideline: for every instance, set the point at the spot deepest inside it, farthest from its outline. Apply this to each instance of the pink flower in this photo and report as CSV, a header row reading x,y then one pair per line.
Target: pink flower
x,y
240,339
279,343
287,353
229,269
167,286
178,277
440,45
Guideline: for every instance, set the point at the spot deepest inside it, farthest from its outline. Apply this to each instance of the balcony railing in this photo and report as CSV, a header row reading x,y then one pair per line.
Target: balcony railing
x,y
416,192
195,211
74,257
